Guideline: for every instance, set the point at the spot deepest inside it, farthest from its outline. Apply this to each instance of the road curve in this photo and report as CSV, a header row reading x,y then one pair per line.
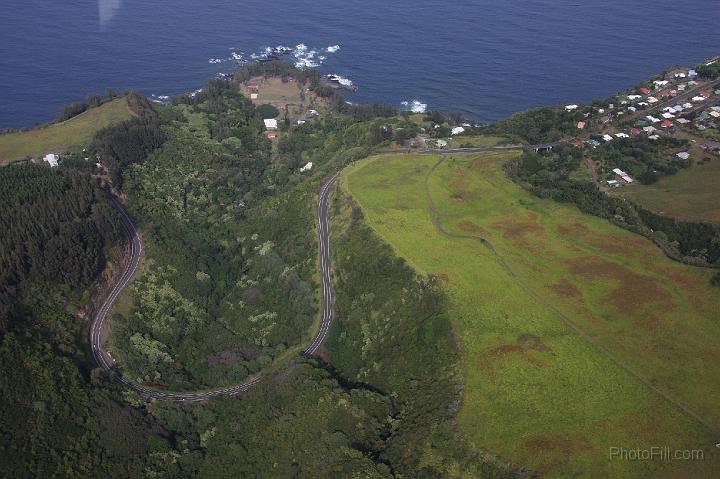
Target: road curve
x,y
105,361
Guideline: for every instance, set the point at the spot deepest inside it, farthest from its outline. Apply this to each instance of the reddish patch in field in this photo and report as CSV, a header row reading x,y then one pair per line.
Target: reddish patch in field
x,y
566,288
460,186
442,277
634,292
523,232
628,246
576,231
522,348
469,227
557,448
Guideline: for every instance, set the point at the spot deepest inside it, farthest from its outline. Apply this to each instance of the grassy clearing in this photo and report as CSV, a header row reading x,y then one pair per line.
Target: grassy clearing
x,y
536,392
60,137
692,193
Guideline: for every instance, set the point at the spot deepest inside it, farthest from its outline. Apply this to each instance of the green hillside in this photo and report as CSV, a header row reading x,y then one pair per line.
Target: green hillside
x,y
59,137
576,337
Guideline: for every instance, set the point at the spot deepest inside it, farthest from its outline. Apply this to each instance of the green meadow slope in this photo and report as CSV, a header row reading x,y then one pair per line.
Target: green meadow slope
x,y
59,137
576,336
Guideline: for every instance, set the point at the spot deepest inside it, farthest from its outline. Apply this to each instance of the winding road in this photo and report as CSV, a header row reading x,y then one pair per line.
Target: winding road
x,y
105,361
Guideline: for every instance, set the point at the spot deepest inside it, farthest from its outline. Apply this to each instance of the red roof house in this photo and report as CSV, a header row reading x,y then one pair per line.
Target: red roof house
x,y
635,131
705,94
581,125
644,91
666,124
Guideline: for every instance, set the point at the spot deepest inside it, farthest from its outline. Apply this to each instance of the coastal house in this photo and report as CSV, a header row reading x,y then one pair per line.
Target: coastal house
x,y
645,91
626,178
571,107
271,124
51,159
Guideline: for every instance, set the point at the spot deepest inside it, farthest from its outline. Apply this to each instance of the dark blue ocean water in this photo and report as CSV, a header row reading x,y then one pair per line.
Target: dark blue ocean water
x,y
485,58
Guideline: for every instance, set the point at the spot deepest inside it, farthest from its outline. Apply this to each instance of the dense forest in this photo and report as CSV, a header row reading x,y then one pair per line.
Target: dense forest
x,y
57,227
228,287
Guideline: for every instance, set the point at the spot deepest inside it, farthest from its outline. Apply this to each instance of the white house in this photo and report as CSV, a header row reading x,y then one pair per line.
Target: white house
x,y
607,137
270,124
622,135
51,159
307,167
683,155
571,107
457,130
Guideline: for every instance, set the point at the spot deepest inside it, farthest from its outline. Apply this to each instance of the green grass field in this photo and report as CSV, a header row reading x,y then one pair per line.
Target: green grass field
x,y
692,193
576,350
59,137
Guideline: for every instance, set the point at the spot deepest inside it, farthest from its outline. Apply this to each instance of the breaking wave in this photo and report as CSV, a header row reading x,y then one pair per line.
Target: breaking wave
x,y
415,106
301,54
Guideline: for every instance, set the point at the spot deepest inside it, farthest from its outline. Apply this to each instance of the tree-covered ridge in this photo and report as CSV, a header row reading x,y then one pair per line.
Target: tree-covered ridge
x,y
57,227
57,417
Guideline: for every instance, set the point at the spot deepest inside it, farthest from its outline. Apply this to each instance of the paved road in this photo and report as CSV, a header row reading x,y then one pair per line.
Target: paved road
x,y
486,149
105,361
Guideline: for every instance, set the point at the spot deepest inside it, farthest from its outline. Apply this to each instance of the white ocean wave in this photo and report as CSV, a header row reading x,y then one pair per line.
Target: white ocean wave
x,y
415,106
341,80
302,55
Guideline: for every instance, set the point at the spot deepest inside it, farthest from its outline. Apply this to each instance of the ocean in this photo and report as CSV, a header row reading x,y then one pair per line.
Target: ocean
x,y
484,58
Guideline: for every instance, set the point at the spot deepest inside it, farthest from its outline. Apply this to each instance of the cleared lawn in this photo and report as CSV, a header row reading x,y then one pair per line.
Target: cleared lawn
x,y
59,137
538,391
692,193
